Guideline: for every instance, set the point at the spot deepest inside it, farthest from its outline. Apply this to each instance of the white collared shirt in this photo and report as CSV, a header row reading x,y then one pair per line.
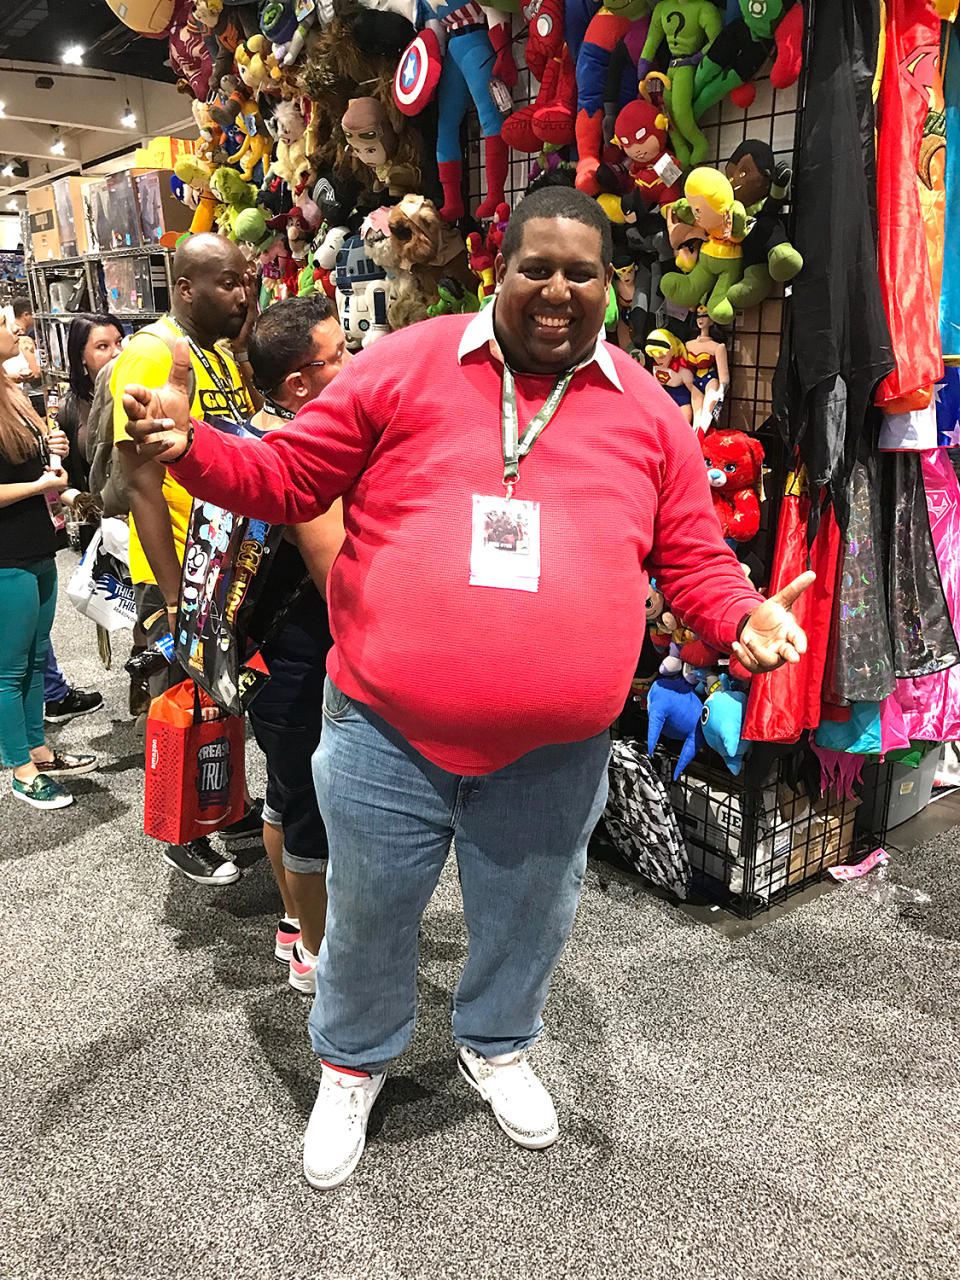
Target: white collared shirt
x,y
479,332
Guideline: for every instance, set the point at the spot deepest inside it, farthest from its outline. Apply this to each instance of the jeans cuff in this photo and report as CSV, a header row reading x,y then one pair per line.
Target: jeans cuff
x,y
303,866
272,817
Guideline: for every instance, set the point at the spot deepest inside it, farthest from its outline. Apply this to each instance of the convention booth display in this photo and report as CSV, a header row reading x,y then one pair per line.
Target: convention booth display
x,y
778,178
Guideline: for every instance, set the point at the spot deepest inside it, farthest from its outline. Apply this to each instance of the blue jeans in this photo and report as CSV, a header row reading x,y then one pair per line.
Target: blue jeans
x,y
55,684
521,843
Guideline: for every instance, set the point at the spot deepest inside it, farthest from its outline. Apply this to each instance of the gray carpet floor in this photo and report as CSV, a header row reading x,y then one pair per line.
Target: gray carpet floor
x,y
784,1105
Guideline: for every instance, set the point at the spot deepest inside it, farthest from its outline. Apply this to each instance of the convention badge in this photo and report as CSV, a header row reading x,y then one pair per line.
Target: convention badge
x,y
505,543
667,170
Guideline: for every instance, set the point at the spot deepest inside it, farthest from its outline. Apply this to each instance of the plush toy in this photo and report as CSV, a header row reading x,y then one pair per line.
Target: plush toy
x,y
189,56
688,27
196,173
361,294
290,156
551,118
734,463
454,299
426,247
672,370
721,722
674,711
287,23
481,264
720,220
761,185
742,47
223,29
234,195
606,29
455,57
641,134
711,371
250,228
370,136
258,68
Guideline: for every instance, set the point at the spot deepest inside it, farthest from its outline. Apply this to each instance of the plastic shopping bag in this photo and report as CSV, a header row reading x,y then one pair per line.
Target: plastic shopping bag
x,y
194,779
100,588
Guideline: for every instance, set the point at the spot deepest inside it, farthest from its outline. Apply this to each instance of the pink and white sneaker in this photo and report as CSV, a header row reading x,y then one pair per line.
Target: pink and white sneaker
x,y
303,970
288,934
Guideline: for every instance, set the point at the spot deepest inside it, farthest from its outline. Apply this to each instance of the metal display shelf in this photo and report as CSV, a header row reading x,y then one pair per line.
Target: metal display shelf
x,y
92,292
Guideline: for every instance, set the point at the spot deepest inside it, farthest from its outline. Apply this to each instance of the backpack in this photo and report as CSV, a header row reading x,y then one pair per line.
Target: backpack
x,y
106,474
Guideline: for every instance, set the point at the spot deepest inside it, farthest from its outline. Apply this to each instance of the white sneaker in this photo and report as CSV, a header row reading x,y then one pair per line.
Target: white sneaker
x,y
337,1131
522,1106
303,972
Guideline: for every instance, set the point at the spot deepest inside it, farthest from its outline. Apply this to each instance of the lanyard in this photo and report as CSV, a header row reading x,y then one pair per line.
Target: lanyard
x,y
220,379
277,410
516,446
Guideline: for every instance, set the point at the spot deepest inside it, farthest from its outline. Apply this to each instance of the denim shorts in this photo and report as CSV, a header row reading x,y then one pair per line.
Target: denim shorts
x,y
291,799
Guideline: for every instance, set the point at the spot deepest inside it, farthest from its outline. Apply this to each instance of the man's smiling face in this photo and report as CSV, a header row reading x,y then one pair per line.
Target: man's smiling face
x,y
552,296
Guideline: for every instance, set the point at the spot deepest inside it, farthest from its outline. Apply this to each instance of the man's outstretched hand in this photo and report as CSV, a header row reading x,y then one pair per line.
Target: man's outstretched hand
x,y
771,635
158,421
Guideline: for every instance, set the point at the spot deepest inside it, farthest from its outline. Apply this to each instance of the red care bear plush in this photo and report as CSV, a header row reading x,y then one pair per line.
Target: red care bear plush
x,y
734,464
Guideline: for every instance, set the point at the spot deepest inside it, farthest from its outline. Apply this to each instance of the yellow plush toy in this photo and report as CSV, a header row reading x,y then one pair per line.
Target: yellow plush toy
x,y
708,212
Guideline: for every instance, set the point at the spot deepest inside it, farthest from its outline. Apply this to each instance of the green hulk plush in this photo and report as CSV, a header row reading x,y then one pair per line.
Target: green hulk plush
x,y
688,26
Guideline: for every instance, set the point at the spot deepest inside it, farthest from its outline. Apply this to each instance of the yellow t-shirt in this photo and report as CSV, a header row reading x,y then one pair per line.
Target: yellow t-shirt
x,y
146,360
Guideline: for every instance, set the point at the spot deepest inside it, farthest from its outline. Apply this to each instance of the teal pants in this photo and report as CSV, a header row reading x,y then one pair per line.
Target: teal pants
x,y
28,600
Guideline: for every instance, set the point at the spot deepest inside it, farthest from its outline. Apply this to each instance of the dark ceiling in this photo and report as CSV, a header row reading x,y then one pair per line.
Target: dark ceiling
x,y
39,31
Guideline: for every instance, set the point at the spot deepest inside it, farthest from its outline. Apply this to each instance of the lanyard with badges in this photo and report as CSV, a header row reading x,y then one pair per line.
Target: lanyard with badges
x,y
516,446
505,544
218,378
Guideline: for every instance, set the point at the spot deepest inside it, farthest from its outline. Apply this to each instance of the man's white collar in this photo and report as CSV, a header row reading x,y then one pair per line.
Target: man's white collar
x,y
479,332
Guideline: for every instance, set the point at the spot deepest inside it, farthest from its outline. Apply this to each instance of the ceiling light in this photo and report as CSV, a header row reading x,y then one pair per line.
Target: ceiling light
x,y
72,56
128,119
58,146
7,170
12,204
3,107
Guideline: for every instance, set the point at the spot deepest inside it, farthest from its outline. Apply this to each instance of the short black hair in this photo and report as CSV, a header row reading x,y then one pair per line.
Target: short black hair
x,y
760,152
558,202
21,307
281,341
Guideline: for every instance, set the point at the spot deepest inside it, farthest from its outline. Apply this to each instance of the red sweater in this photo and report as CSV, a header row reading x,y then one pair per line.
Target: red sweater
x,y
473,676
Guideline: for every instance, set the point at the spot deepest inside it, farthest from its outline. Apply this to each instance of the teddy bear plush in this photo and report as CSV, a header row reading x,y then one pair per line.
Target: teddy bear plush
x,y
734,463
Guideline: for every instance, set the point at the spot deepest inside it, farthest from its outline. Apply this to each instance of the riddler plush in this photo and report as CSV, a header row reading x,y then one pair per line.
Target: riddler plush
x,y
710,208
688,27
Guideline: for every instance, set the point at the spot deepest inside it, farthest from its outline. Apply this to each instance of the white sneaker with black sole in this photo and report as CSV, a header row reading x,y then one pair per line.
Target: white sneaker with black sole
x,y
337,1131
199,861
522,1107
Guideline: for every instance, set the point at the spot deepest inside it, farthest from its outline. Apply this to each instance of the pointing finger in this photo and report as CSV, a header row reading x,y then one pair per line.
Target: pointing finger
x,y
793,590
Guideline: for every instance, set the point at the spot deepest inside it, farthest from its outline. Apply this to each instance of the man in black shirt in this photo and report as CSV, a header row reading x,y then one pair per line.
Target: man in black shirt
x,y
296,347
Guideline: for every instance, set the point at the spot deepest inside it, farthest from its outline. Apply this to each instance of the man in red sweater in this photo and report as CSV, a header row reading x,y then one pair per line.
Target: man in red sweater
x,y
508,482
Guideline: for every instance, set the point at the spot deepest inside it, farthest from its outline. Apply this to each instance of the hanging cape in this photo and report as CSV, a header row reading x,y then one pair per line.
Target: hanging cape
x,y
785,702
836,345
950,290
931,704
911,71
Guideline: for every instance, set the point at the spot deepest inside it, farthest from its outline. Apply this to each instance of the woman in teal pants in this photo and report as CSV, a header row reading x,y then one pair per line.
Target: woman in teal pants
x,y
28,594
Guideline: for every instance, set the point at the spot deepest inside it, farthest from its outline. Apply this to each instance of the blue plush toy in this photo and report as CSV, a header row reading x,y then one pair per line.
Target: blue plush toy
x,y
722,723
674,710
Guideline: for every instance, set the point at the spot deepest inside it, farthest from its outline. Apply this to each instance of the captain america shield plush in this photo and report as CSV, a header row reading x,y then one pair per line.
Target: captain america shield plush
x,y
418,73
